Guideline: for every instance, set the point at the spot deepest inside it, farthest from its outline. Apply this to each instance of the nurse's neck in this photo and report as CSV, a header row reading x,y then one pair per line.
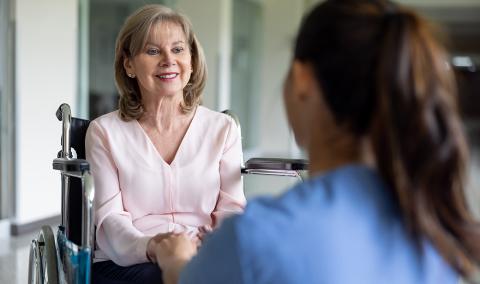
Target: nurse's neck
x,y
327,155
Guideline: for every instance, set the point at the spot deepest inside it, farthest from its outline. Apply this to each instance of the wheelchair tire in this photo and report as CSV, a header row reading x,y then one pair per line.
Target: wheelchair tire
x,y
48,256
34,269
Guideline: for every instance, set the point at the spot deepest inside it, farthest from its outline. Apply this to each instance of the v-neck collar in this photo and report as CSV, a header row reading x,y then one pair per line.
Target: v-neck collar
x,y
185,137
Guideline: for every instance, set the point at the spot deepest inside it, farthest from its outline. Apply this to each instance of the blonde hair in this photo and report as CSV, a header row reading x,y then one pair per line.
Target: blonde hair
x,y
132,39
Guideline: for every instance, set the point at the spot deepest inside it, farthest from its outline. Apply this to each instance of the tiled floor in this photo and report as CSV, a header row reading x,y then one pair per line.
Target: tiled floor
x,y
14,259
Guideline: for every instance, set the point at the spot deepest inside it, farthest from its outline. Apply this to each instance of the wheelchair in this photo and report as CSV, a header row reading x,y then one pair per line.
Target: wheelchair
x,y
67,256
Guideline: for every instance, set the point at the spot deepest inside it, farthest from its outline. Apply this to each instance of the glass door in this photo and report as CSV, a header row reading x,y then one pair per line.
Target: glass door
x,y
246,69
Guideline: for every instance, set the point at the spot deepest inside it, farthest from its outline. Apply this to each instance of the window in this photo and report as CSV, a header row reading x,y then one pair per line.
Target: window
x,y
103,20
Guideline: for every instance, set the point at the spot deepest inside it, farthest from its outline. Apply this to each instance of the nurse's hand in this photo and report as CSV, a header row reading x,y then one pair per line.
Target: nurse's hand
x,y
152,245
172,253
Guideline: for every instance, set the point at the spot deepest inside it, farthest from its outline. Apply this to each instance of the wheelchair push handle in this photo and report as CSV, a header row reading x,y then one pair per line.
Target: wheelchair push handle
x,y
63,109
64,115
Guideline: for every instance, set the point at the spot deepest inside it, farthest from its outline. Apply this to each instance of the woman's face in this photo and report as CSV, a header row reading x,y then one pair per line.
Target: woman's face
x,y
163,67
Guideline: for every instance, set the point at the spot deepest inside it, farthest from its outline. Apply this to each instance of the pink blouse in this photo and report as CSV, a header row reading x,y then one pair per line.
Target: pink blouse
x,y
139,195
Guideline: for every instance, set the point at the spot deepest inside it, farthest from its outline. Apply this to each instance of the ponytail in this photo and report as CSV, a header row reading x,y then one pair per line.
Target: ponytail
x,y
418,140
384,75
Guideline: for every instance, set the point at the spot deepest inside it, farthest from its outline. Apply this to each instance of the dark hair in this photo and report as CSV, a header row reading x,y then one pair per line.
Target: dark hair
x,y
384,75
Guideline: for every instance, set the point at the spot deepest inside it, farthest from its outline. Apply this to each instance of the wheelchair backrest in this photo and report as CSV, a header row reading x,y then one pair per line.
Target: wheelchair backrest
x,y
78,130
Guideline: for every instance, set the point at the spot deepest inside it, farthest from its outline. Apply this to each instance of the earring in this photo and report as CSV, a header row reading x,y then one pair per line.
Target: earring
x,y
131,75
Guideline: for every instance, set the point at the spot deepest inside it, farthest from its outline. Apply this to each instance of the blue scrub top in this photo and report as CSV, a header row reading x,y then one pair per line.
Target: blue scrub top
x,y
340,227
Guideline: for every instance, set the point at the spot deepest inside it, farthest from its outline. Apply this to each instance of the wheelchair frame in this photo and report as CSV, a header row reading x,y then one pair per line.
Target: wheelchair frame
x,y
58,259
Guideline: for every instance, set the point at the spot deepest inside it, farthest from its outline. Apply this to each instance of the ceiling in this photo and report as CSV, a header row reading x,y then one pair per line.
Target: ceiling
x,y
459,18
441,3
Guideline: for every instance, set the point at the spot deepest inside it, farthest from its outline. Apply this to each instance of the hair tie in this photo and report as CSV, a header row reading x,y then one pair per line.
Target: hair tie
x,y
390,9
391,13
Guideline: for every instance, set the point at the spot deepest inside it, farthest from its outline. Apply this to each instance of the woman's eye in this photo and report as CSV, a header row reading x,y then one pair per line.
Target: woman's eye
x,y
177,49
152,51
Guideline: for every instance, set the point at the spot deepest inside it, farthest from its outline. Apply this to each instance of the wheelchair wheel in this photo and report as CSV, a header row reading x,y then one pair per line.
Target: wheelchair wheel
x,y
34,269
43,266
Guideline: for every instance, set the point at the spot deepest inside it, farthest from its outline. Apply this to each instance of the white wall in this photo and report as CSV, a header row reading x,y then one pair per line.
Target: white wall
x,y
46,75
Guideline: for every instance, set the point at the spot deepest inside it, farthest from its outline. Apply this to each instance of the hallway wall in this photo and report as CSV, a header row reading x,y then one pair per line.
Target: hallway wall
x,y
46,76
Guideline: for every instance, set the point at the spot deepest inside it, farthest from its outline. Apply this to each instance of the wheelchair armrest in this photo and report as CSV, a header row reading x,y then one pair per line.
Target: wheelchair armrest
x,y
71,165
274,166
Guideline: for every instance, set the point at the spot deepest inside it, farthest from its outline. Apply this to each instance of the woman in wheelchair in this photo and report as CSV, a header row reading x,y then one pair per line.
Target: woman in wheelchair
x,y
371,98
161,163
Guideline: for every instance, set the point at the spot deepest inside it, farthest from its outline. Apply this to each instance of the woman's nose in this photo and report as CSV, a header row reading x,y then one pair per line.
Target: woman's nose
x,y
167,60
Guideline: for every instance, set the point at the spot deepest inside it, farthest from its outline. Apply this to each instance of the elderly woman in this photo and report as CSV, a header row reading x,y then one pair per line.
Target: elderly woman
x,y
370,96
162,163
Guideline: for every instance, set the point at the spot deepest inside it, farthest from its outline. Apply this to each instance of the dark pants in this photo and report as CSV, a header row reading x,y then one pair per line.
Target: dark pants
x,y
107,272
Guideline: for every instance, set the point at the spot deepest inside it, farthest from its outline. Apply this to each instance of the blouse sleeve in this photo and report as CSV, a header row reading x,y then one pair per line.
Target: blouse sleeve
x,y
115,235
231,199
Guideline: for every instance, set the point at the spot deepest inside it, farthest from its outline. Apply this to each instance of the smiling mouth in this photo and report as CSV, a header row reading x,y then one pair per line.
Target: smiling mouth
x,y
167,76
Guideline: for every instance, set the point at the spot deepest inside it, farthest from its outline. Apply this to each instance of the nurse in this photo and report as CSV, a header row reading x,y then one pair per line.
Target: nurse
x,y
371,98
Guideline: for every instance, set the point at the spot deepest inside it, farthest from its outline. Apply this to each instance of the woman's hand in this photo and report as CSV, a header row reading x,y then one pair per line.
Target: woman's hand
x,y
202,232
172,253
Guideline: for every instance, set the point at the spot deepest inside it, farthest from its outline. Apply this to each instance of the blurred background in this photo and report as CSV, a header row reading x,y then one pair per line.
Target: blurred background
x,y
56,51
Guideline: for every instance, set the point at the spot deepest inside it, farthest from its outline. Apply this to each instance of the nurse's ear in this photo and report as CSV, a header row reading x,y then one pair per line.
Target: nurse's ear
x,y
302,101
303,79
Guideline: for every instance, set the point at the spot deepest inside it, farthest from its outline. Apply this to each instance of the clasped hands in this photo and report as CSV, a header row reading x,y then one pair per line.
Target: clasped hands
x,y
171,251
